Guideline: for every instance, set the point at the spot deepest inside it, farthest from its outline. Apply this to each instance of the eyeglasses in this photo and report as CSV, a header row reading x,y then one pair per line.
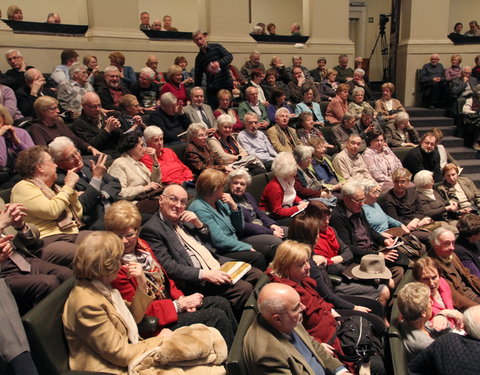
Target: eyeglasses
x,y
357,200
72,157
175,200
128,236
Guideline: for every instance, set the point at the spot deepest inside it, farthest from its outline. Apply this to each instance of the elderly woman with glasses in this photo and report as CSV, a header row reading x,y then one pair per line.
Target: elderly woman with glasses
x,y
279,196
432,201
307,184
257,226
380,160
54,210
141,271
226,147
224,219
198,155
49,125
400,133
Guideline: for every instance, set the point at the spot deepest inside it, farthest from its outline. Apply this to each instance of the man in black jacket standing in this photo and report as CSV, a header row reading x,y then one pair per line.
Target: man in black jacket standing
x,y
213,60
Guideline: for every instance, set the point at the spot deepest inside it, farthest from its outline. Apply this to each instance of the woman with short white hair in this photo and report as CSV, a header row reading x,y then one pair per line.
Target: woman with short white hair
x,y
226,147
198,155
279,196
431,201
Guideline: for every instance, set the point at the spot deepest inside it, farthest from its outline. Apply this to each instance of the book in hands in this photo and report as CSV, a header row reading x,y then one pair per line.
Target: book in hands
x,y
235,269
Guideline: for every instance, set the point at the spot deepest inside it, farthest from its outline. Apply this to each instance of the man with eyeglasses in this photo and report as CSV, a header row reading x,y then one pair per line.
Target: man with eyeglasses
x,y
103,133
97,188
14,77
425,156
113,90
71,92
465,287
181,242
146,90
352,227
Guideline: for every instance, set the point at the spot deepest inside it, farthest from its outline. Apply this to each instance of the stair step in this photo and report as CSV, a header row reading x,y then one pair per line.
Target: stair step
x,y
424,112
452,142
471,166
462,153
431,121
446,130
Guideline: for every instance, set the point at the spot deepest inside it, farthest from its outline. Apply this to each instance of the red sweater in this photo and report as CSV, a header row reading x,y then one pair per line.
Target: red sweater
x,y
163,309
179,92
173,170
272,198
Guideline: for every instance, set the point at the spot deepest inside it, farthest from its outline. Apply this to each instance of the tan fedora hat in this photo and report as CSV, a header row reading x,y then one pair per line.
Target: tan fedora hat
x,y
372,266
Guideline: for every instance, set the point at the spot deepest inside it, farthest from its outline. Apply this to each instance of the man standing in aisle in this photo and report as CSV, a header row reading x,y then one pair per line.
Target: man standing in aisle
x,y
213,60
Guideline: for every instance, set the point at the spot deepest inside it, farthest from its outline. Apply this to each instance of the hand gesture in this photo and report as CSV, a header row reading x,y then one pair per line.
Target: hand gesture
x,y
151,186
71,178
192,218
16,213
227,198
111,124
390,255
135,270
5,248
319,260
98,168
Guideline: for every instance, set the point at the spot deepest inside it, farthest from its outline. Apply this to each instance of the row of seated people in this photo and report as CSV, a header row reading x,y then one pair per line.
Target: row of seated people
x,y
212,202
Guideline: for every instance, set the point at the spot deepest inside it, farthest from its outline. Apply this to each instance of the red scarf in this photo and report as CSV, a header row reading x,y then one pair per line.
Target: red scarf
x,y
327,244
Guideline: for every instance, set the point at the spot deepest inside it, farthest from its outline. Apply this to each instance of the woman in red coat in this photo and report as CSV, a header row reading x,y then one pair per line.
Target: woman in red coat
x,y
141,270
279,196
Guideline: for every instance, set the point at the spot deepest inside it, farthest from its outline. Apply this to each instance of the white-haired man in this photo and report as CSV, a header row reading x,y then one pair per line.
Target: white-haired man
x,y
98,189
170,117
146,90
113,90
252,63
70,93
465,287
198,111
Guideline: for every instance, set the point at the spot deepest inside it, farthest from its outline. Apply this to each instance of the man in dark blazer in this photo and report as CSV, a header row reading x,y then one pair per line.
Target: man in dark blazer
x,y
98,188
198,111
190,260
277,343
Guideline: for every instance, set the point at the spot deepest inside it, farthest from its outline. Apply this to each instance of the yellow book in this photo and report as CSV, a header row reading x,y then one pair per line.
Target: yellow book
x,y
235,269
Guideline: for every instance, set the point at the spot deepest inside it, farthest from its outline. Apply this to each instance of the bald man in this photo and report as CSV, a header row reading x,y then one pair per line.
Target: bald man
x,y
432,83
152,63
277,342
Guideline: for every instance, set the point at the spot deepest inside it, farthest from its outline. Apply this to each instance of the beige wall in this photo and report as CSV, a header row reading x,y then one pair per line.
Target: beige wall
x,y
463,11
267,11
114,26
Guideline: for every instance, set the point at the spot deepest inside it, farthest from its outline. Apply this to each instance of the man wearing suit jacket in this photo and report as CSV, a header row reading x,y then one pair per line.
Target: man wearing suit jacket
x,y
198,111
98,188
277,343
181,243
